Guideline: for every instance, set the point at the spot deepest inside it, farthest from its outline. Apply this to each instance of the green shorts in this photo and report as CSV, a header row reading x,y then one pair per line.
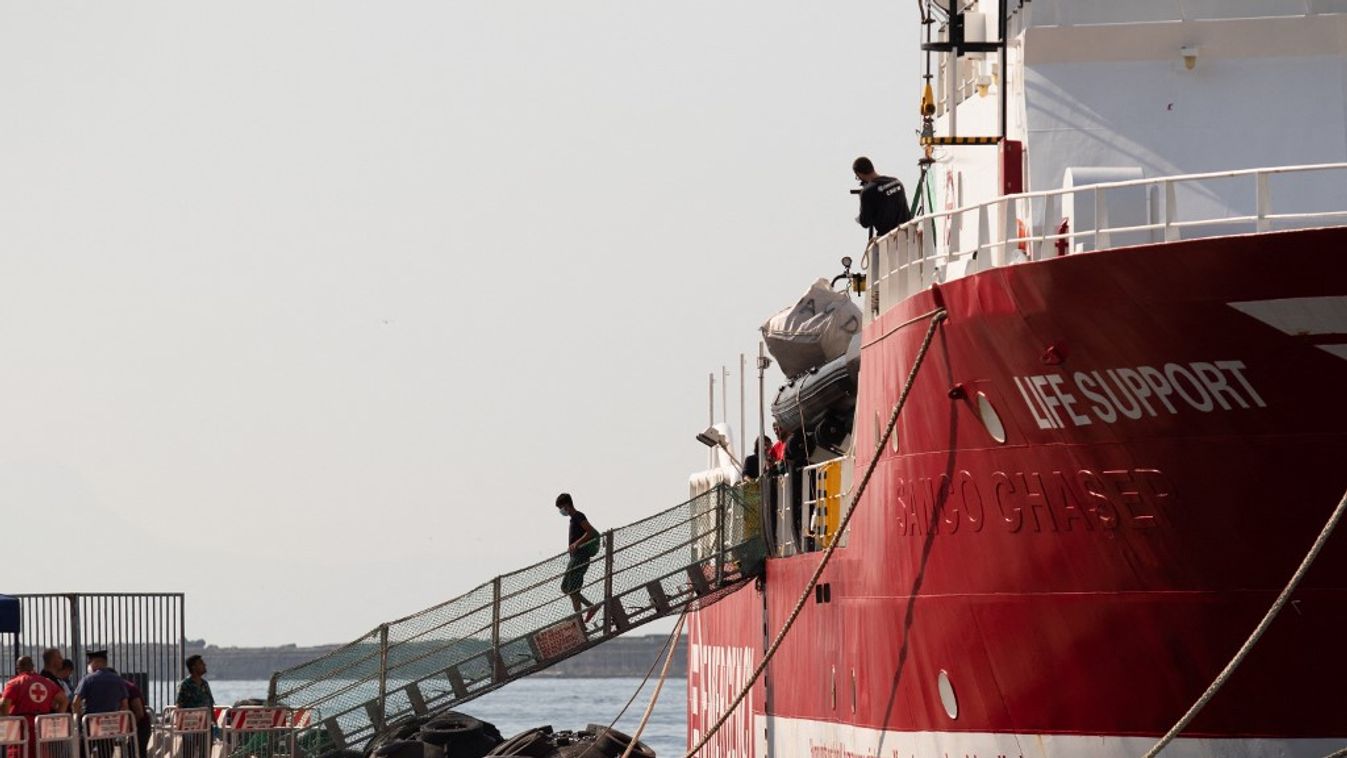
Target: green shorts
x,y
574,578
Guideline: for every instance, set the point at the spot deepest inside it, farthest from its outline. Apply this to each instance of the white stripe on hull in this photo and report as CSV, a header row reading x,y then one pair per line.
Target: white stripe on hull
x,y
1299,315
803,738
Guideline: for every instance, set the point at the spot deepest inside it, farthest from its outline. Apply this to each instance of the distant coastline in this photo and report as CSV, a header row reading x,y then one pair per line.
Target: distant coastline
x,y
622,657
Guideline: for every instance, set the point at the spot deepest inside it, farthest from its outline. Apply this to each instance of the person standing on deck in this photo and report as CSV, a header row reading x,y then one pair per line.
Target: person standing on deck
x,y
582,544
30,695
102,691
194,692
883,199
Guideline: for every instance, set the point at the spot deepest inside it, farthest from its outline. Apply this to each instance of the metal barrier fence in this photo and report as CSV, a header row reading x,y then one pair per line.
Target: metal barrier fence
x,y
182,733
522,622
14,736
110,735
257,732
56,736
142,632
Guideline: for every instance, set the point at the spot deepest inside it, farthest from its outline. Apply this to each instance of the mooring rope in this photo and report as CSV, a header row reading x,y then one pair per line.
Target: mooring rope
x,y
659,685
1257,634
671,644
937,317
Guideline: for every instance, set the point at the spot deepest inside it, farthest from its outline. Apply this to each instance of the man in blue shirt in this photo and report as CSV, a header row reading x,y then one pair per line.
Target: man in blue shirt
x,y
102,691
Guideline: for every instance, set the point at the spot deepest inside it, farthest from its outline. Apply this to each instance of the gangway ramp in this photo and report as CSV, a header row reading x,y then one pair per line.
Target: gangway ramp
x,y
520,623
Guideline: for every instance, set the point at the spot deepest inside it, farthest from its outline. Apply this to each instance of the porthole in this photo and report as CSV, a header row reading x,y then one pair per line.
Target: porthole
x,y
947,697
893,439
991,419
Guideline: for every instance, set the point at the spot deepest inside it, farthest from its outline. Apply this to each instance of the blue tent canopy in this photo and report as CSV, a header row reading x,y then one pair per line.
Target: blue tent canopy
x,y
11,615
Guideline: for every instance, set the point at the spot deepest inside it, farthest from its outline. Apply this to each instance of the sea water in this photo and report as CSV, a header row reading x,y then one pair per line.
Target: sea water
x,y
562,703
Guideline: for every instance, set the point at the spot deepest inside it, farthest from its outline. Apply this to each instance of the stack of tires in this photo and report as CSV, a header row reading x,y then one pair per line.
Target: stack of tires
x,y
443,735
594,741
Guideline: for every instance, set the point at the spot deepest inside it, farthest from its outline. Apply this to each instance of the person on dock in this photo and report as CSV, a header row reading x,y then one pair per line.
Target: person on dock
x,y
136,702
194,692
582,544
51,670
30,695
883,199
102,691
66,677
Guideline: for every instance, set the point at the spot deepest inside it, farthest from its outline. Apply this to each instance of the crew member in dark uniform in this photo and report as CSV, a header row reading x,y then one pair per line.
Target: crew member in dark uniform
x,y
883,200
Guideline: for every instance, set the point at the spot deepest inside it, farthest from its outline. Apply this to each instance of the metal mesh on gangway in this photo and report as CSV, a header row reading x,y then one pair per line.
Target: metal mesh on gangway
x,y
521,622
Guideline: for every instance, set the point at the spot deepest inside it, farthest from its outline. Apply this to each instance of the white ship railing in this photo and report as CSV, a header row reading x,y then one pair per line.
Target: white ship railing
x,y
1031,226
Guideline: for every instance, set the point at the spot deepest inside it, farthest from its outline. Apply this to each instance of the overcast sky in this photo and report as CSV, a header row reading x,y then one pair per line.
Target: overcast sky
x,y
309,310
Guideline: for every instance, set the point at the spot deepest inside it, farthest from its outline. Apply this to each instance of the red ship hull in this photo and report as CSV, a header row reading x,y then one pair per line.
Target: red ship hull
x,y
1175,439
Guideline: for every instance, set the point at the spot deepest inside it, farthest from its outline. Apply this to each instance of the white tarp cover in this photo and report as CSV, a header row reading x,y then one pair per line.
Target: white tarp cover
x,y
814,331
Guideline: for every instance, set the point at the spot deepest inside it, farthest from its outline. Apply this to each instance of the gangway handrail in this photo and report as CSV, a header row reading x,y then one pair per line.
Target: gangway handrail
x,y
486,628
543,582
693,553
484,606
478,609
475,694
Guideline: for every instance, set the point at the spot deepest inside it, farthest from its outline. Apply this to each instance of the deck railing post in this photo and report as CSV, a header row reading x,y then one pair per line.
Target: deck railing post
x,y
383,676
1008,232
1050,221
721,500
608,582
497,670
1171,209
1101,225
1264,203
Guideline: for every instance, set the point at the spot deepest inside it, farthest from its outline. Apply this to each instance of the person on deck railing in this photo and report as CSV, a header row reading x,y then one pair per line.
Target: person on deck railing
x,y
883,199
582,544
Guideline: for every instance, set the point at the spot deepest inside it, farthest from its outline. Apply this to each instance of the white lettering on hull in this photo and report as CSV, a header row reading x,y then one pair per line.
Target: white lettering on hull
x,y
1082,398
716,675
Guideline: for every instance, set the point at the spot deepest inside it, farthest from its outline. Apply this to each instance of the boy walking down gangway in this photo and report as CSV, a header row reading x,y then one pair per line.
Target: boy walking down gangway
x,y
582,544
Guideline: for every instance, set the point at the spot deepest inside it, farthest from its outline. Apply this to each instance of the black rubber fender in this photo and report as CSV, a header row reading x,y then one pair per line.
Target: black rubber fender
x,y
401,749
400,730
449,720
460,735
534,743
611,743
